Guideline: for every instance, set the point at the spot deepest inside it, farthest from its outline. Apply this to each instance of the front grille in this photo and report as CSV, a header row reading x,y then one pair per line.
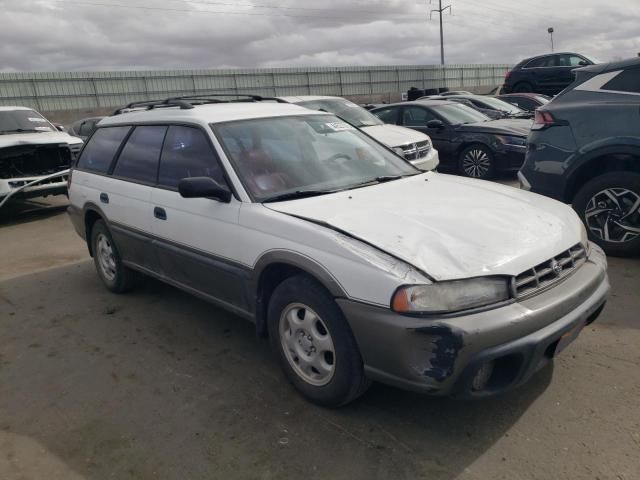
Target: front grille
x,y
416,151
548,273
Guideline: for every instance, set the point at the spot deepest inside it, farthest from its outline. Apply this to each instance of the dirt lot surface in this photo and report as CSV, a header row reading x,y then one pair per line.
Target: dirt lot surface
x,y
159,385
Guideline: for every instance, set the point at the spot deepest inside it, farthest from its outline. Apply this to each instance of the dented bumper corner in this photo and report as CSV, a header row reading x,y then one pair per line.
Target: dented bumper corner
x,y
442,355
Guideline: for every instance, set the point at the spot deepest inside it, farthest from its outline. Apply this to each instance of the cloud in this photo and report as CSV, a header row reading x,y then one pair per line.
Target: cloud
x,y
61,35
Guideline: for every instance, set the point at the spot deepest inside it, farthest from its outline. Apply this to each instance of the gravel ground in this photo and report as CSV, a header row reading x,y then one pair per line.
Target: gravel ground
x,y
159,385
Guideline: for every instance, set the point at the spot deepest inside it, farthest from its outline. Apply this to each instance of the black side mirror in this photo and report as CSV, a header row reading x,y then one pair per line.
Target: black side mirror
x,y
583,63
203,187
435,124
59,127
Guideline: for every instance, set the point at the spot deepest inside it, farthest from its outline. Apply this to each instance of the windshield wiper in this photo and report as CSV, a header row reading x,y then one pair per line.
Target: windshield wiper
x,y
19,130
297,194
383,179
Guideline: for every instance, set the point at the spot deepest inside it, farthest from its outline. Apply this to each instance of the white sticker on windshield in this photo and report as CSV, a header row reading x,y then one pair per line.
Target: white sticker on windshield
x,y
35,119
339,126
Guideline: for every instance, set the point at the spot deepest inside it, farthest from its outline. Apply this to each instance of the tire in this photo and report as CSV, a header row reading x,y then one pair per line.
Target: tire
x,y
609,206
476,161
523,87
307,327
114,274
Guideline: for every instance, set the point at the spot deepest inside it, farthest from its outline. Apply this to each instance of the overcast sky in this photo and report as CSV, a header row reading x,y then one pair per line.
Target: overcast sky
x,y
86,35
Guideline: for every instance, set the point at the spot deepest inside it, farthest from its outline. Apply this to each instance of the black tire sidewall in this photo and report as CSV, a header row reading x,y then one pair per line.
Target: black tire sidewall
x,y
628,180
348,380
492,167
523,87
119,283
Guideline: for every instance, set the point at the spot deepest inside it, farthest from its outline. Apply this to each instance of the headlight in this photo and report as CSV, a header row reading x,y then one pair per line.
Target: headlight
x,y
513,141
399,151
452,296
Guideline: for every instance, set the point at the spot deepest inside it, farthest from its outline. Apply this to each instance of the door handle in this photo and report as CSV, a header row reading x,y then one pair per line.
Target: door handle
x,y
104,198
160,213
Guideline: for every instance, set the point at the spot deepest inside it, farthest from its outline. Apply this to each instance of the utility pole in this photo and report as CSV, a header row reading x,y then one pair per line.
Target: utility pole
x,y
440,10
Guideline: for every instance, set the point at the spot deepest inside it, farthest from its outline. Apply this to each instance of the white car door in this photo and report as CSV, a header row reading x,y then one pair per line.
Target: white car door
x,y
128,194
196,238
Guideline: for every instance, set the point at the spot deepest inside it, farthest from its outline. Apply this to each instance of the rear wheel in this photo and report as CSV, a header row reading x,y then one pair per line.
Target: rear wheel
x,y
114,274
314,344
476,161
609,206
523,87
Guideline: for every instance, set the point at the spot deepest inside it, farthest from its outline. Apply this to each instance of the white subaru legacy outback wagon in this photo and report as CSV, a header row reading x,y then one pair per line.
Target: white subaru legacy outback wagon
x,y
357,266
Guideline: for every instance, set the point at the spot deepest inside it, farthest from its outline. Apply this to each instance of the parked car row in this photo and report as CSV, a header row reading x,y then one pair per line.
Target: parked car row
x,y
468,142
356,265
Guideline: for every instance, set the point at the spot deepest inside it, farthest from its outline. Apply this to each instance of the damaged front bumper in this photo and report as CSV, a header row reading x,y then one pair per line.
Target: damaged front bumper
x,y
446,355
29,187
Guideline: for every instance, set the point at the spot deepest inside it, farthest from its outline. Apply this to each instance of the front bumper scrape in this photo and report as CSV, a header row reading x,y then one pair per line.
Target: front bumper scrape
x,y
441,355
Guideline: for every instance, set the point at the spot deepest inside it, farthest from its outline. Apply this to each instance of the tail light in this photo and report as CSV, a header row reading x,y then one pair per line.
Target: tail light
x,y
544,119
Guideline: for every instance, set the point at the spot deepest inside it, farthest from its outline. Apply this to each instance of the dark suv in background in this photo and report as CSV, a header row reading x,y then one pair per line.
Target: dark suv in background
x,y
584,149
549,74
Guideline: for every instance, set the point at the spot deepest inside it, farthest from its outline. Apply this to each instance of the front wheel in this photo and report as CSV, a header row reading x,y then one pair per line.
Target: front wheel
x,y
476,161
314,343
609,206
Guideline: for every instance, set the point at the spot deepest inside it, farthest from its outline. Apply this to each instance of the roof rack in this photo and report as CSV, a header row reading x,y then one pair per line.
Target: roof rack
x,y
187,102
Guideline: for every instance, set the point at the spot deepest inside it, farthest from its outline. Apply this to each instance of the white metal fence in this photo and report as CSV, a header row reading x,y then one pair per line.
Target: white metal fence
x,y
55,91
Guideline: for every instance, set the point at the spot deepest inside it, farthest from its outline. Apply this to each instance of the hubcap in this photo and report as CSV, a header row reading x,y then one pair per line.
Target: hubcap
x,y
476,163
613,215
307,344
106,259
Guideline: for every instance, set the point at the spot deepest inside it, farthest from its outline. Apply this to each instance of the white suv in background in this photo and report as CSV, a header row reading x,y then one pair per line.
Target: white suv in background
x,y
32,152
357,265
412,145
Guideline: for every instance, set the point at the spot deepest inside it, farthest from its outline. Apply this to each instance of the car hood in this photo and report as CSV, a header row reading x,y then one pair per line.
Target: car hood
x,y
394,136
448,227
506,126
40,138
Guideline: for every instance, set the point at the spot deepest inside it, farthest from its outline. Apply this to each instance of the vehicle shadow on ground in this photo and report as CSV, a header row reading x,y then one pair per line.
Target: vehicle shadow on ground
x,y
157,384
24,211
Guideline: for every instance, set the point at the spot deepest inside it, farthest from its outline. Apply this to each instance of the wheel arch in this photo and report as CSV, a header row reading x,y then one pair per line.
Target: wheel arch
x,y
601,161
91,214
276,266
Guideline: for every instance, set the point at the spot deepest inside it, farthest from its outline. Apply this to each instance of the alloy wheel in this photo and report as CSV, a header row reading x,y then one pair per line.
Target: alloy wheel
x,y
476,163
106,259
307,344
613,215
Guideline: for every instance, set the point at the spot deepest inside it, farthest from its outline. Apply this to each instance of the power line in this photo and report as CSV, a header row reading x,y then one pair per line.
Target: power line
x,y
440,10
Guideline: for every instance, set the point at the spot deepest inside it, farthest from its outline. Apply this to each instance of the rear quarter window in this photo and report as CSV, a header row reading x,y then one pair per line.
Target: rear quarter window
x,y
626,81
101,149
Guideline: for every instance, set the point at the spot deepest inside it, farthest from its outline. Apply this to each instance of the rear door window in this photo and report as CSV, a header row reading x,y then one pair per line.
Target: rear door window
x,y
416,116
87,128
188,153
99,153
139,158
388,115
